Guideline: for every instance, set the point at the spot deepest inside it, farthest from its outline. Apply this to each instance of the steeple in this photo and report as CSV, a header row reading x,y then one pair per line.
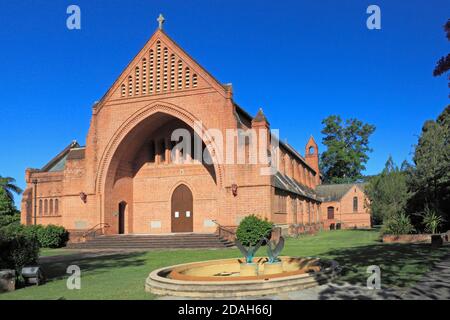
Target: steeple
x,y
312,156
260,117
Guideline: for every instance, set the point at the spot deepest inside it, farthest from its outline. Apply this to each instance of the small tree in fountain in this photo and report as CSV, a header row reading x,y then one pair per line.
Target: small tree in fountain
x,y
251,234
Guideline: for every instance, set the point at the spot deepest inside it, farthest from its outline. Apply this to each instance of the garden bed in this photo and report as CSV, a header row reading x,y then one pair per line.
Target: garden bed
x,y
407,238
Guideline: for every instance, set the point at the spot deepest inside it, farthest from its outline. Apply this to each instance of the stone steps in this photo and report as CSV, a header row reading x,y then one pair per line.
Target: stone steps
x,y
175,241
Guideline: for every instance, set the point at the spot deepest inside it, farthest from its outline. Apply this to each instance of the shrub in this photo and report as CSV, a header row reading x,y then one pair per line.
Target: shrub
x,y
52,236
398,224
252,229
17,249
6,220
432,220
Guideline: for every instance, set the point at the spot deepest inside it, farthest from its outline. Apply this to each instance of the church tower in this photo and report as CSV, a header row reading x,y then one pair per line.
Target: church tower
x,y
312,157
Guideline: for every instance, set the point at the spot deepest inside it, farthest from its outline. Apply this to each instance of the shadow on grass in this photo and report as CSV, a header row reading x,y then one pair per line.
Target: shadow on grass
x,y
401,266
55,267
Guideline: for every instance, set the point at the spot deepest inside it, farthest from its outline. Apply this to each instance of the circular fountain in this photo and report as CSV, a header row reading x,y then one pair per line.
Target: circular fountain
x,y
240,277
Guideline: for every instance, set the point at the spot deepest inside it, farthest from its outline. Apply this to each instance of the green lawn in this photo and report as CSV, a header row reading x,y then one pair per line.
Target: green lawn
x,y
122,276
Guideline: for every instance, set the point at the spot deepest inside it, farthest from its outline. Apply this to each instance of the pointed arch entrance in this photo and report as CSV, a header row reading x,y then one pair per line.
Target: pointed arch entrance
x,y
135,160
182,215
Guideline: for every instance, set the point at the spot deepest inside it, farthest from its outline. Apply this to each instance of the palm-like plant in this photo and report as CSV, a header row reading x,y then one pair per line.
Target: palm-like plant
x,y
432,220
8,185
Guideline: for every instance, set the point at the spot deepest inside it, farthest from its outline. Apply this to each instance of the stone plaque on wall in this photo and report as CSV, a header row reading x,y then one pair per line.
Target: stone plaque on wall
x,y
155,224
208,223
80,225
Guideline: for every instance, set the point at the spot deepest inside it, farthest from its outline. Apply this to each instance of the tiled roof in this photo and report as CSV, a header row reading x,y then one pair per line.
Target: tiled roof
x,y
283,182
334,192
76,154
59,161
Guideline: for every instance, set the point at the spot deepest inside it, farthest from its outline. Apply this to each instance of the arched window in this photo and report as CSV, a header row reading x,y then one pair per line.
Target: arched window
x,y
355,204
51,207
158,66
150,73
180,74
123,90
144,76
172,72
194,81
166,67
309,212
137,80
130,86
187,81
56,206
45,207
40,207
330,213
152,151
162,144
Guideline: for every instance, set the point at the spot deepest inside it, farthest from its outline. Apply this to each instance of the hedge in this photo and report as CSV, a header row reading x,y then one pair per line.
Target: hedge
x,y
50,236
17,249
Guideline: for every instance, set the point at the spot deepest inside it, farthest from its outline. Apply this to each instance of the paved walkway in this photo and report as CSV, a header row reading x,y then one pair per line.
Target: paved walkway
x,y
434,285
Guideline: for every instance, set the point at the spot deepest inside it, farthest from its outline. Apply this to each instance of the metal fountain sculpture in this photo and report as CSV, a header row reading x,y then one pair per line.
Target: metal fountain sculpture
x,y
274,250
273,263
249,251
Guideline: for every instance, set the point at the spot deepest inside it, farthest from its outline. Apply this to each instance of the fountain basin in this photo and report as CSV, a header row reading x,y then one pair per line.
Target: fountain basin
x,y
223,279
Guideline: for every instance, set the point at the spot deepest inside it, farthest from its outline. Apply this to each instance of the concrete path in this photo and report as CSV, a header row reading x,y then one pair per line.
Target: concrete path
x,y
434,285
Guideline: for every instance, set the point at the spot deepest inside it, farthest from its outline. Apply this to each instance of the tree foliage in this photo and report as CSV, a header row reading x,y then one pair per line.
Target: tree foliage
x,y
347,149
388,193
398,224
252,229
429,178
8,185
443,65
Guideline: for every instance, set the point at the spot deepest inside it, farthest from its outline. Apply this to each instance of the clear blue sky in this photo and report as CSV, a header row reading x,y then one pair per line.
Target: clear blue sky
x,y
299,60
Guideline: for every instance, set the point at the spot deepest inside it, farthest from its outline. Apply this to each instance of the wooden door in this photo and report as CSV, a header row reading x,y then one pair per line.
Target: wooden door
x,y
122,207
330,213
182,210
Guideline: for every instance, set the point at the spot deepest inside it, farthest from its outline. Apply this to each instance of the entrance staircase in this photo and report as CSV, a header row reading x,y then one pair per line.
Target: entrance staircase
x,y
170,241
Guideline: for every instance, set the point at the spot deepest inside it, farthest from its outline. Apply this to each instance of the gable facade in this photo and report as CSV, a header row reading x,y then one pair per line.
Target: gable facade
x,y
129,178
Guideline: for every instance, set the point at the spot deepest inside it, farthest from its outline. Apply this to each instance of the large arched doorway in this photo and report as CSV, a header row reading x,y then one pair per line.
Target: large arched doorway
x,y
182,218
142,166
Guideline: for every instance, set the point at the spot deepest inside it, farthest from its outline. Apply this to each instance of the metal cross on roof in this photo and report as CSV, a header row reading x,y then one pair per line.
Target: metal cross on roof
x,y
160,21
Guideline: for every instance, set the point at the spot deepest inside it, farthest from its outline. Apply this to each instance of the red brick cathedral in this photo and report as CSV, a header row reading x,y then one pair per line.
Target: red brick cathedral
x,y
128,179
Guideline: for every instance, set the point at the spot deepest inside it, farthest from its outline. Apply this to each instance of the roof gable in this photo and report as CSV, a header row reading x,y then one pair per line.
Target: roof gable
x,y
335,192
161,67
59,161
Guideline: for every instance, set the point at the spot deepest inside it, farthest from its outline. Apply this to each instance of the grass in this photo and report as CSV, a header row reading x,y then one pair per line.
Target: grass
x,y
122,275
47,252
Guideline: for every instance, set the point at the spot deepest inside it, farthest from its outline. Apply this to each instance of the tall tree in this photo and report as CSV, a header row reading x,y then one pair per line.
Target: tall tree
x,y
347,149
8,185
443,65
429,179
387,193
7,207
